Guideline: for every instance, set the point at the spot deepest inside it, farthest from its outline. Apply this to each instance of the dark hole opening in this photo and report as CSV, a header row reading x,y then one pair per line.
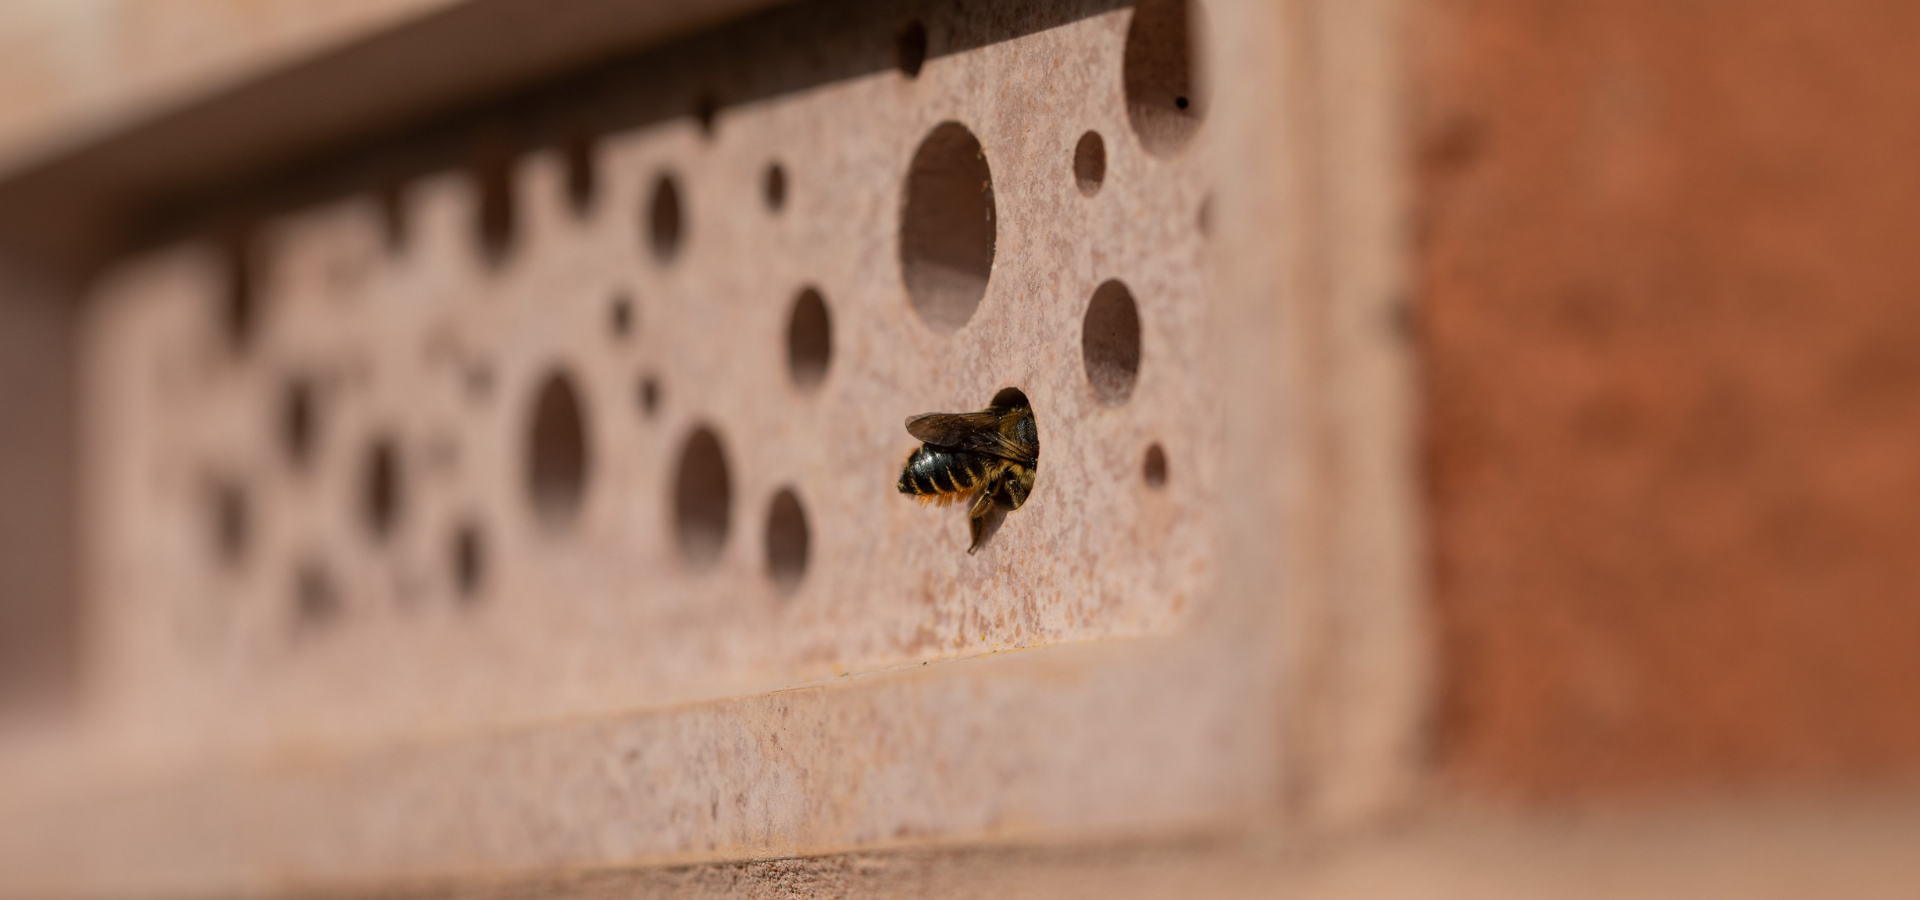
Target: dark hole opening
x,y
557,461
910,48
664,220
787,541
702,498
809,339
380,497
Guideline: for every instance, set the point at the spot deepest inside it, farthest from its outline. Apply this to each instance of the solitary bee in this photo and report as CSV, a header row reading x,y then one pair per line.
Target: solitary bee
x,y
991,454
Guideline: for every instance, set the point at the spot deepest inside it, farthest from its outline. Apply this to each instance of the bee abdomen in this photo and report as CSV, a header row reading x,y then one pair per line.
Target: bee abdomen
x,y
931,471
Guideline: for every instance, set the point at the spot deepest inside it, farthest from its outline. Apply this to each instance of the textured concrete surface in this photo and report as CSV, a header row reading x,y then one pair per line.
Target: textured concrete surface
x,y
339,641
1670,338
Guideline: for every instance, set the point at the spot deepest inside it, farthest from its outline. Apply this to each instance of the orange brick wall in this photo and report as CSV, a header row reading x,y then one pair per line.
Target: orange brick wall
x,y
1671,321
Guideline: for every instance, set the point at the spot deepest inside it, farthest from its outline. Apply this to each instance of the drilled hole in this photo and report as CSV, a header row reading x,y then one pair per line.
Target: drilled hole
x,y
773,186
787,541
299,424
620,315
469,561
494,224
809,339
947,227
1090,163
1110,343
380,488
665,225
910,48
557,450
702,498
649,395
316,600
1154,467
232,521
583,175
1165,102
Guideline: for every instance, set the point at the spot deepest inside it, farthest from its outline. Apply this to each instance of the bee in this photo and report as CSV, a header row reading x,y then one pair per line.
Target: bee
x,y
991,455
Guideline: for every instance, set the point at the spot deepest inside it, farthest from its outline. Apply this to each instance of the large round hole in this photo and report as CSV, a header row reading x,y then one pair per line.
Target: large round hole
x,y
910,48
947,227
702,498
557,450
299,423
1090,163
380,488
665,224
787,541
1165,101
1110,343
809,339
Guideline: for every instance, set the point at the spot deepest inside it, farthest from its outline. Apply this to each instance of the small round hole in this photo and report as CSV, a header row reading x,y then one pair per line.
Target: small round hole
x,y
649,396
1164,102
787,541
557,450
232,520
947,228
469,561
315,599
1090,163
620,315
583,179
1154,467
809,339
1110,343
380,488
910,48
298,421
773,186
665,225
494,225
702,498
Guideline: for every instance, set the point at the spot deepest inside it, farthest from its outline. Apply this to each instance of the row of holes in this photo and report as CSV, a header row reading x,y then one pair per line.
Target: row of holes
x,y
947,242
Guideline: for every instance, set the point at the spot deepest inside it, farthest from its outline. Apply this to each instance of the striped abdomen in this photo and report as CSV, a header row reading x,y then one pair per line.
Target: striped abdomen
x,y
942,476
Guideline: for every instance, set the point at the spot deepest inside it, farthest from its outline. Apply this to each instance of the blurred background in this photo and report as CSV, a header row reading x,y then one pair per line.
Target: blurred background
x,y
1648,310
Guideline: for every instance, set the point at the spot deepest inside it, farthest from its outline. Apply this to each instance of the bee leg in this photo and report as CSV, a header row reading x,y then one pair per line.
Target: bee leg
x,y
1018,483
977,515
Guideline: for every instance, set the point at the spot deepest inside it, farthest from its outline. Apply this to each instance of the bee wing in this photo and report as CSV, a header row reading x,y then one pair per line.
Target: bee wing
x,y
978,432
955,430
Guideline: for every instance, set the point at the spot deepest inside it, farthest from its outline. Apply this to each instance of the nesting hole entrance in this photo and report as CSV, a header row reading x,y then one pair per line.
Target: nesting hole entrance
x,y
299,423
380,488
948,227
702,498
232,521
773,187
239,307
557,462
809,340
1165,99
787,541
1154,467
469,561
494,220
583,173
1110,343
666,225
1090,163
910,48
